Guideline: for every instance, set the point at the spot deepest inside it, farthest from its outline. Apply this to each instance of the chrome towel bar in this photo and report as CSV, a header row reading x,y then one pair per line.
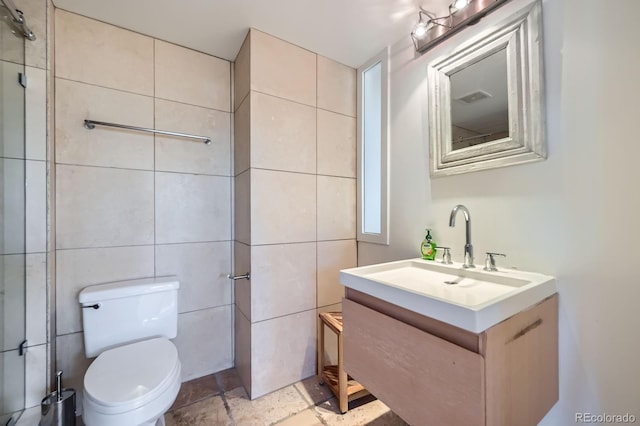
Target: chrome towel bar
x,y
91,124
246,276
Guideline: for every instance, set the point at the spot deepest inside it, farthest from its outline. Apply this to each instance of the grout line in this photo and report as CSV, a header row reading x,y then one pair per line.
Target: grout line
x,y
302,173
143,95
223,396
284,99
297,102
138,245
155,221
22,159
142,170
299,242
317,279
57,77
285,315
205,309
244,98
337,113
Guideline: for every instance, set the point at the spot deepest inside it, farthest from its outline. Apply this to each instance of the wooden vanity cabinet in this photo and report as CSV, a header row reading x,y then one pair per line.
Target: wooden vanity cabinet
x,y
432,373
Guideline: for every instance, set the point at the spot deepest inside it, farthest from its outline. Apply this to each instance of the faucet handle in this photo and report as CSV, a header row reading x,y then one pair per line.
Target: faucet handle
x,y
490,261
446,256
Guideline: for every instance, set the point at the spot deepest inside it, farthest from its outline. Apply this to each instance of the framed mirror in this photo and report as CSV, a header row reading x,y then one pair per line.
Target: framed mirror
x,y
486,98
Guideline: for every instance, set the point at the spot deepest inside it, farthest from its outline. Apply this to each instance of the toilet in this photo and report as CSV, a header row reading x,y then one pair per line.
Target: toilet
x,y
136,375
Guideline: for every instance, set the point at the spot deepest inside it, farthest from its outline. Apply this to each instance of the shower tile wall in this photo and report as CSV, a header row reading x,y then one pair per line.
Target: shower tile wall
x,y
24,259
295,193
131,205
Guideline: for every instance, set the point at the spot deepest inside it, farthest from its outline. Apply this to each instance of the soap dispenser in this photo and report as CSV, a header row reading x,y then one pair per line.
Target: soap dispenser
x,y
428,247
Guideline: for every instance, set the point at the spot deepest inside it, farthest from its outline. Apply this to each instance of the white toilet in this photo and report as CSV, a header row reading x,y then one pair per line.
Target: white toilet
x,y
136,377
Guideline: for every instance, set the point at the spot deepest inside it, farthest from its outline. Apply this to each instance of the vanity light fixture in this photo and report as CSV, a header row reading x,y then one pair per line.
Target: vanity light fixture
x,y
429,32
421,29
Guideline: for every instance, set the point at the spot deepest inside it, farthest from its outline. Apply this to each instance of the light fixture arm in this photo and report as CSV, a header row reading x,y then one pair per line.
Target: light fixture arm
x,y
466,12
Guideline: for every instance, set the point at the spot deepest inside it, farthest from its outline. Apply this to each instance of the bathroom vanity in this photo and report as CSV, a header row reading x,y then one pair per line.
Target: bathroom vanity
x,y
443,345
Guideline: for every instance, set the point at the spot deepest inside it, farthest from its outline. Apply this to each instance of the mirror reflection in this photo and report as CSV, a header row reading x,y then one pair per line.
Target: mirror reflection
x,y
479,102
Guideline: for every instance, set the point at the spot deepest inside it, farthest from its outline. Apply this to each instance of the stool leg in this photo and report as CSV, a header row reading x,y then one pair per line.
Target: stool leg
x,y
321,352
342,378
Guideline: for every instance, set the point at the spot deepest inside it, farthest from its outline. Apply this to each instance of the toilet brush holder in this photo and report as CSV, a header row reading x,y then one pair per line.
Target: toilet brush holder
x,y
59,407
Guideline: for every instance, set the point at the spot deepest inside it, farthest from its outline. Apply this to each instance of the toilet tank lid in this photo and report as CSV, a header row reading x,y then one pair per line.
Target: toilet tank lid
x,y
115,290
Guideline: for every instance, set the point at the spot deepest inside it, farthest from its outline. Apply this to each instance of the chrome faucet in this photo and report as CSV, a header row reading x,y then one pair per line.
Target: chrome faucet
x,y
468,248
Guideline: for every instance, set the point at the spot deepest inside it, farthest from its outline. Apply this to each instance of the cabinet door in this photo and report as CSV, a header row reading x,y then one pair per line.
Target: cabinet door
x,y
422,378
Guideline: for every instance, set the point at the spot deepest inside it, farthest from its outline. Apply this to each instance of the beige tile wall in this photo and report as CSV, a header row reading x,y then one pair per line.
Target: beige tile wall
x,y
295,207
131,205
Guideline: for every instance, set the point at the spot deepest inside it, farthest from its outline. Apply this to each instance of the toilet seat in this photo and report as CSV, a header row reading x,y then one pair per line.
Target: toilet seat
x,y
131,377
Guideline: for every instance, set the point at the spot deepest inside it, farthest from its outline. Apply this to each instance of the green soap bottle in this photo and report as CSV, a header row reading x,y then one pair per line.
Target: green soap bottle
x,y
428,247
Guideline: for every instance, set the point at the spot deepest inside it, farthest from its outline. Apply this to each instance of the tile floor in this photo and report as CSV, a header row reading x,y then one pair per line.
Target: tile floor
x,y
220,399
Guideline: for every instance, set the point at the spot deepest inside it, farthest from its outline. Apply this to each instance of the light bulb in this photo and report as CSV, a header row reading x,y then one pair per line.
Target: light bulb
x,y
460,4
420,29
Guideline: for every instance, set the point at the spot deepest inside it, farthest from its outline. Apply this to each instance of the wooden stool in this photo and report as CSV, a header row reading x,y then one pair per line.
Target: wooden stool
x,y
343,387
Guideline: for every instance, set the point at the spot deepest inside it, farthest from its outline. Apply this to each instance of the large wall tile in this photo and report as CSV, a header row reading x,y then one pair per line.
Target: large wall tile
x,y
332,257
242,293
35,99
242,347
35,375
283,207
286,341
242,73
176,154
192,208
36,206
11,49
336,144
94,52
35,52
102,146
336,87
242,137
336,208
202,269
204,341
12,289
282,69
97,207
12,103
12,384
12,193
36,298
77,269
192,77
242,207
283,279
71,359
283,134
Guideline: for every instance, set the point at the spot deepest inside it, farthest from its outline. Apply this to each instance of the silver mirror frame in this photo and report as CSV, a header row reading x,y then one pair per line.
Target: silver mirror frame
x,y
521,35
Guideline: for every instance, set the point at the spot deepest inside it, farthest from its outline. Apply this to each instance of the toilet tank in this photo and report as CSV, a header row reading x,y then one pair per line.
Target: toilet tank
x,y
122,312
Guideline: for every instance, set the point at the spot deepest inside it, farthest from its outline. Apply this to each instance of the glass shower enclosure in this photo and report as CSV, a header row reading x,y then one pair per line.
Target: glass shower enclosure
x,y
12,220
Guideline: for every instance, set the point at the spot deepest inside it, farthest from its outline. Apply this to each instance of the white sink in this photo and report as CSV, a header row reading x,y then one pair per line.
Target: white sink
x,y
472,299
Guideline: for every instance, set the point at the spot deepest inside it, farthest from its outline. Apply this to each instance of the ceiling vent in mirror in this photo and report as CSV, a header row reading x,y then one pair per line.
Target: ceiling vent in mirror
x,y
474,97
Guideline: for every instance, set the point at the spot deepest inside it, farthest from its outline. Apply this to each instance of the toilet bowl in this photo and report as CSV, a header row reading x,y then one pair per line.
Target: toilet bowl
x,y
136,377
133,384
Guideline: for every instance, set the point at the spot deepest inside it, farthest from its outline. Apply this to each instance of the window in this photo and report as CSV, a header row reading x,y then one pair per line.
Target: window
x,y
373,94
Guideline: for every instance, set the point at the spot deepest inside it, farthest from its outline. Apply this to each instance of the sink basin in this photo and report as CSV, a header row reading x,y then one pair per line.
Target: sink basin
x,y
472,299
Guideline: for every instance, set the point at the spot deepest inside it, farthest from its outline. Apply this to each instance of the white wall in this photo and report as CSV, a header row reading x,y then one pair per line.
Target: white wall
x,y
572,216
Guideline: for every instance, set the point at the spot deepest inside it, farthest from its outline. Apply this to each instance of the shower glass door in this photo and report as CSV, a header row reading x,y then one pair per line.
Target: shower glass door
x,y
12,223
